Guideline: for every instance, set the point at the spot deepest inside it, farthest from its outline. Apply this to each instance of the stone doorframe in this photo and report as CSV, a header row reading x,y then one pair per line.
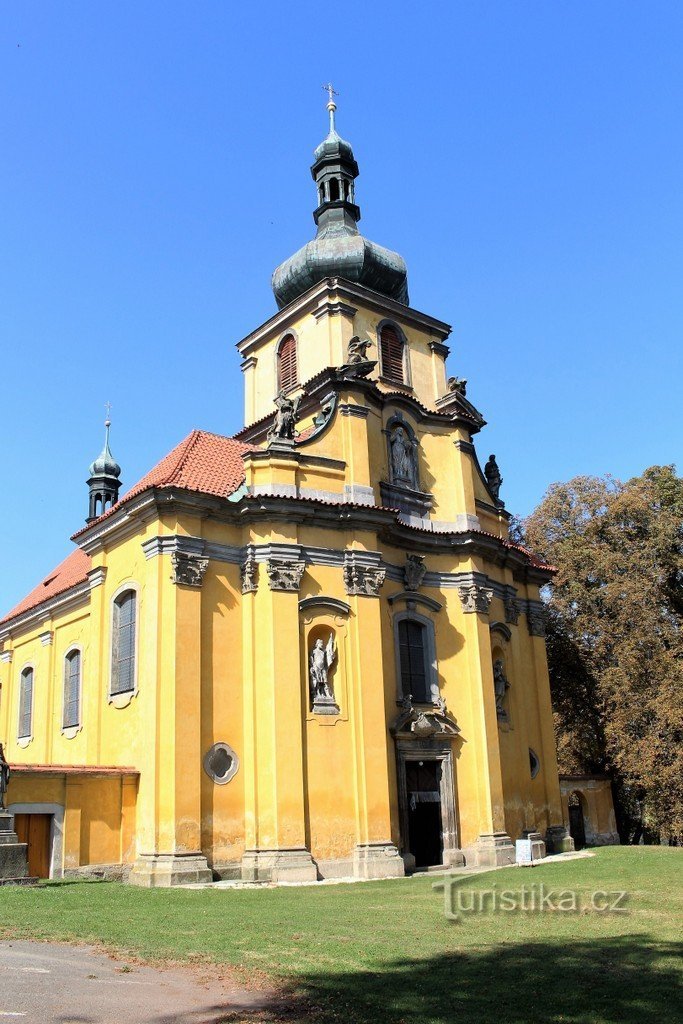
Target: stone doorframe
x,y
56,831
430,750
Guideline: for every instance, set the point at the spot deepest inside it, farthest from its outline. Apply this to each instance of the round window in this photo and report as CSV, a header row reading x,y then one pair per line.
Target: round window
x,y
221,763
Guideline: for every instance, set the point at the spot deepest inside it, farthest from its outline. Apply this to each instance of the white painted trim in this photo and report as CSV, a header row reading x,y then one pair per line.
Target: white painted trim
x,y
56,831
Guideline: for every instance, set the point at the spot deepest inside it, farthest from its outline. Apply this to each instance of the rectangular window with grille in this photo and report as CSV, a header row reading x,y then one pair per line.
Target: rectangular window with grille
x,y
72,690
123,646
411,643
26,704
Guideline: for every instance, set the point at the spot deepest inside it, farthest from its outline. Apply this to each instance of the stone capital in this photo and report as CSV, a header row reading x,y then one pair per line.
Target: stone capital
x,y
284,574
475,598
188,569
364,580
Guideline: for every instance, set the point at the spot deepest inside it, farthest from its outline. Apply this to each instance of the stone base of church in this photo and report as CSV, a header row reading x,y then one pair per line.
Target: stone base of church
x,y
377,860
491,850
161,870
278,866
13,854
538,849
558,840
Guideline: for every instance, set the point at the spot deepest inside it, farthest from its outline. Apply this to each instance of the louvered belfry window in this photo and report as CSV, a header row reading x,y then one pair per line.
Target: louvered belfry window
x,y
411,644
72,690
25,703
287,374
123,645
391,344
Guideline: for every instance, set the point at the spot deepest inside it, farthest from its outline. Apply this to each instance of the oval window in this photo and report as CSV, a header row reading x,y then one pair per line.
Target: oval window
x,y
221,763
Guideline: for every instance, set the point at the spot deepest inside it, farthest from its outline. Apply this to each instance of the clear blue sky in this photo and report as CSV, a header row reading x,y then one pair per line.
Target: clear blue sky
x,y
524,157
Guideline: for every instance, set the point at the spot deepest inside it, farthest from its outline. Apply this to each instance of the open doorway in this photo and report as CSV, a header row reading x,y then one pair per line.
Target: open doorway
x,y
425,828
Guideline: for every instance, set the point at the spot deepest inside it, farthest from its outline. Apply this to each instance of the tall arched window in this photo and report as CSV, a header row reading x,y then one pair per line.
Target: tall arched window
x,y
412,647
71,716
392,354
25,704
287,374
123,643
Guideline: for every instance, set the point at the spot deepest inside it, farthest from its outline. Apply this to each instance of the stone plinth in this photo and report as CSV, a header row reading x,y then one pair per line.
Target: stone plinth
x,y
377,860
13,854
558,840
278,866
491,850
161,870
537,843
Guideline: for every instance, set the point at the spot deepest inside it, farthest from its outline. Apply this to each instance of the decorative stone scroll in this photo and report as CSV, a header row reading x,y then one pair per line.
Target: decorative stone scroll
x,y
249,574
537,619
365,580
188,569
414,572
284,574
475,598
511,606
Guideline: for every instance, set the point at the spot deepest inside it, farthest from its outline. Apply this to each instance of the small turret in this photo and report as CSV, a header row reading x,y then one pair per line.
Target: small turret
x,y
103,483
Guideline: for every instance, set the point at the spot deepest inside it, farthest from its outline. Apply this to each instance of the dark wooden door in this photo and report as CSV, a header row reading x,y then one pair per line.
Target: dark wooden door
x,y
425,838
34,829
577,829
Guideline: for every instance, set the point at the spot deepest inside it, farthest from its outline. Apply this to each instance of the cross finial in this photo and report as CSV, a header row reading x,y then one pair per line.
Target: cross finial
x,y
107,406
331,105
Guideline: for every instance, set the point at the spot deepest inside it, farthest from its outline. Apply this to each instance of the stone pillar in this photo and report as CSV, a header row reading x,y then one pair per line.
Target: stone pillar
x,y
177,857
375,855
13,854
558,839
276,830
479,769
73,805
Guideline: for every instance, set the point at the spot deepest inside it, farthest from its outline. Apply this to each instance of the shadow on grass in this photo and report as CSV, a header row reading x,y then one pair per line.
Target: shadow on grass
x,y
590,982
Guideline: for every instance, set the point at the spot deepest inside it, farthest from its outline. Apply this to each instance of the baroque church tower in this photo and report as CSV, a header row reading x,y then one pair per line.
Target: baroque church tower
x,y
309,650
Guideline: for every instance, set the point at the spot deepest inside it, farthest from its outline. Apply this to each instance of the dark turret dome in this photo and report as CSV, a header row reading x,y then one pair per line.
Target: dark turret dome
x,y
339,249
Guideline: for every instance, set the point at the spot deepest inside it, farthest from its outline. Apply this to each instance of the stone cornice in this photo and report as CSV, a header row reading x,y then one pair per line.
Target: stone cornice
x,y
41,613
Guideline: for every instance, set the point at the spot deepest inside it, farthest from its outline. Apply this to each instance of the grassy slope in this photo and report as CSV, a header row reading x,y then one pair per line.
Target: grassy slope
x,y
385,949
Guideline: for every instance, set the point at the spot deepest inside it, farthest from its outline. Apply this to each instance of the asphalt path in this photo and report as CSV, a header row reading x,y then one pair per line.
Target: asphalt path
x,y
46,983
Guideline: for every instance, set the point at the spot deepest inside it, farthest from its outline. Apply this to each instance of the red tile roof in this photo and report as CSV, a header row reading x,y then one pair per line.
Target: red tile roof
x,y
68,574
209,463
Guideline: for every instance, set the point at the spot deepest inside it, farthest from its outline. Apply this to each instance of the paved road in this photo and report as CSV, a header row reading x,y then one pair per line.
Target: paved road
x,y
45,983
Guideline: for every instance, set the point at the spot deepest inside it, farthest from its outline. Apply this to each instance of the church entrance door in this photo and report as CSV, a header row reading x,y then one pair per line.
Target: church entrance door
x,y
425,832
34,829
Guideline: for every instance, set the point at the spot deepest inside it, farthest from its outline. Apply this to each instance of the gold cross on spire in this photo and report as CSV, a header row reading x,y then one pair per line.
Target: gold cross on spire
x,y
331,105
330,91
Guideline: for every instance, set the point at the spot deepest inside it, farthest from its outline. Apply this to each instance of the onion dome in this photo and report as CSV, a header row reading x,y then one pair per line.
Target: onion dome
x,y
103,479
338,249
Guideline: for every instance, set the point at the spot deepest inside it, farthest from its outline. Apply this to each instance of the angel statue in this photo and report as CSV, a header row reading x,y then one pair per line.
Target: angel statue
x,y
321,661
357,351
285,418
500,687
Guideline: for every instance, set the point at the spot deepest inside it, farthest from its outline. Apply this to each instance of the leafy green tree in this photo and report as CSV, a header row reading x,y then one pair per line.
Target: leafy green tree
x,y
615,638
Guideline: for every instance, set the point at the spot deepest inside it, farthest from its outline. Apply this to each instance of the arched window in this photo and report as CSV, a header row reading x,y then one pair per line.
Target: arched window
x,y
123,643
71,716
391,354
287,375
25,704
414,668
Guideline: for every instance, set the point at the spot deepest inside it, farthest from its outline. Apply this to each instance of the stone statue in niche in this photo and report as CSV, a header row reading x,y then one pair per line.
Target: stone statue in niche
x,y
4,777
284,424
403,467
500,688
493,477
321,661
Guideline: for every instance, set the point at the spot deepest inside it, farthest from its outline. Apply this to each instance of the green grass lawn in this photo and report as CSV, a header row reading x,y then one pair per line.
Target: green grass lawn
x,y
386,951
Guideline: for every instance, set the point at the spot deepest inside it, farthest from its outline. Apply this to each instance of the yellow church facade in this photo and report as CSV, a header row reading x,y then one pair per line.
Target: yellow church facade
x,y
307,651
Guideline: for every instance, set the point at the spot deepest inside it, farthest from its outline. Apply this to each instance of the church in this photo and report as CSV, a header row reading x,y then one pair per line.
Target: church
x,y
306,651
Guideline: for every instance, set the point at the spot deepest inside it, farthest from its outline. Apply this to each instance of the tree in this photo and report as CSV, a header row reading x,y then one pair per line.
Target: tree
x,y
615,638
